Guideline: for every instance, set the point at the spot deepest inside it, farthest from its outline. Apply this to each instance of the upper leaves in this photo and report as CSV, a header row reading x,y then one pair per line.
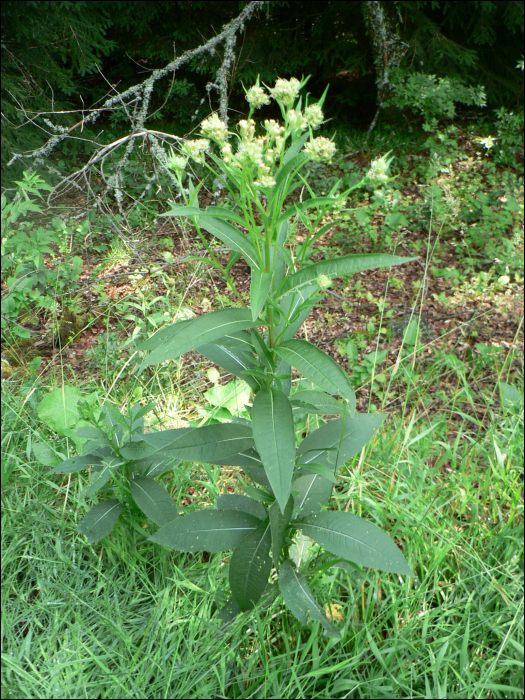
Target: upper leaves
x,y
318,367
346,265
172,341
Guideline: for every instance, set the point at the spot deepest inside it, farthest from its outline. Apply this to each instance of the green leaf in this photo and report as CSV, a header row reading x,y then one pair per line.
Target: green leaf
x,y
296,306
279,524
228,612
157,464
76,464
58,410
511,398
172,341
300,551
298,597
262,350
258,494
250,567
313,490
318,469
207,443
274,435
345,265
294,149
100,520
246,458
232,237
335,442
214,212
259,286
207,530
136,448
234,396
153,500
233,360
97,479
312,401
45,455
302,206
354,538
236,501
318,367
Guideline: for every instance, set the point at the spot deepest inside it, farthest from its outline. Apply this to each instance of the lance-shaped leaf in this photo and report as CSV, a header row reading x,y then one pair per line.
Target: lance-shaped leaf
x,y
313,490
298,597
259,286
318,367
233,360
97,479
354,538
250,567
335,442
317,402
279,523
136,448
153,500
232,237
157,464
172,341
207,530
296,305
303,206
214,212
274,435
208,443
100,520
76,464
335,267
236,501
246,458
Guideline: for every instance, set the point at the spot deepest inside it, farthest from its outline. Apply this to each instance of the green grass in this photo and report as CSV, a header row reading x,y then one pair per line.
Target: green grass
x,y
128,619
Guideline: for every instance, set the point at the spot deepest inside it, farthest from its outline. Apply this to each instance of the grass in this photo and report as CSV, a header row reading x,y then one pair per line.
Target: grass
x,y
134,620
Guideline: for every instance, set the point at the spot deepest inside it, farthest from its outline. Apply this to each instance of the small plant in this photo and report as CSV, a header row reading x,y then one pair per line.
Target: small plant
x,y
30,281
117,457
256,343
431,96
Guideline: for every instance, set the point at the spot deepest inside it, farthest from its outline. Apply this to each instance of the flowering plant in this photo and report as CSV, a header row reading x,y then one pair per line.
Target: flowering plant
x,y
256,342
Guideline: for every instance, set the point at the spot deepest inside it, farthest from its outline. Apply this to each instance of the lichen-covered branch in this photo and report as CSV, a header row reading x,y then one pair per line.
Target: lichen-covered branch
x,y
139,97
382,25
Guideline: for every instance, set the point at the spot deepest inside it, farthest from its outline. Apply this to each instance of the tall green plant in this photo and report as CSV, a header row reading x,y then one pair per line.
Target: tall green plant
x,y
256,342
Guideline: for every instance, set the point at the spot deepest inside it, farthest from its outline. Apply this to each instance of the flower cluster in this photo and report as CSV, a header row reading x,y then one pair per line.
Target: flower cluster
x,y
214,128
175,162
296,120
196,149
314,116
247,129
320,149
324,281
488,142
257,97
286,90
379,169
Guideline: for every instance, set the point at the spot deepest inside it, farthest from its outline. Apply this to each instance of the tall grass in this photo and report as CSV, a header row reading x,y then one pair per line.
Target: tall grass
x,y
128,619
